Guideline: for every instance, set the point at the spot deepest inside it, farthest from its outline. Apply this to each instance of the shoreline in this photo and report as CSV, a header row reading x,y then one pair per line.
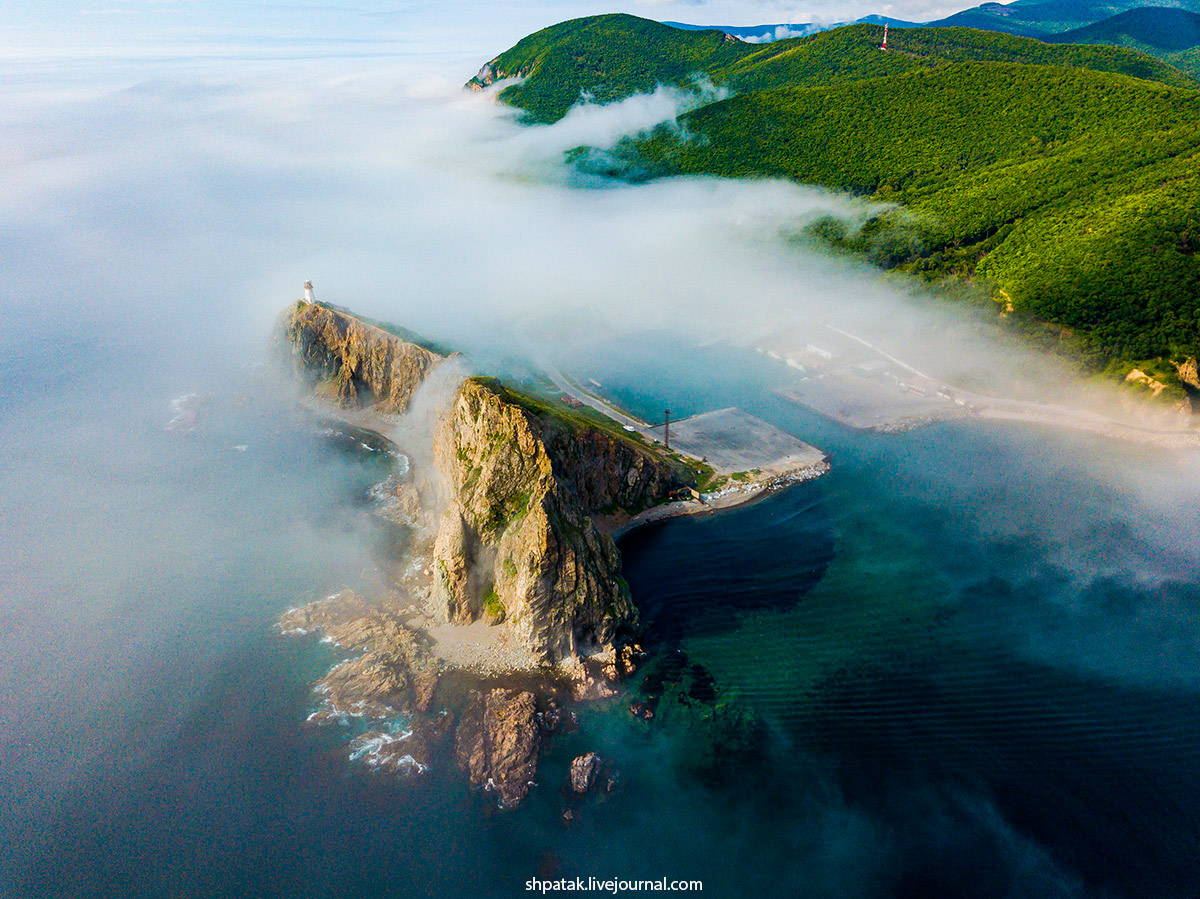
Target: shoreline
x,y
728,498
1082,423
1068,418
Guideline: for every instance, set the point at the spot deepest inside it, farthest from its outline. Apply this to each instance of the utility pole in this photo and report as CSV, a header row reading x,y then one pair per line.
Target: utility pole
x,y
666,426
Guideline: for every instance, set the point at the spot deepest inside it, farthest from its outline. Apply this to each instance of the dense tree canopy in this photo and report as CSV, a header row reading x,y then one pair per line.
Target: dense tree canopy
x,y
1062,176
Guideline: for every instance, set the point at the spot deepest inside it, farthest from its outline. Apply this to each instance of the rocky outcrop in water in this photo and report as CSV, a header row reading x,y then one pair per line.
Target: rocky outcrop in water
x,y
350,361
395,671
518,540
584,771
498,741
532,489
406,753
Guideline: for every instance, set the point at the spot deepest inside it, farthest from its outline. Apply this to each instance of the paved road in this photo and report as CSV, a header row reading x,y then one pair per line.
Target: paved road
x,y
578,393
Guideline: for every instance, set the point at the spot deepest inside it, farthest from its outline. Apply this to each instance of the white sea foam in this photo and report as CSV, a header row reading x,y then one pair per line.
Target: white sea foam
x,y
375,751
384,496
330,711
185,411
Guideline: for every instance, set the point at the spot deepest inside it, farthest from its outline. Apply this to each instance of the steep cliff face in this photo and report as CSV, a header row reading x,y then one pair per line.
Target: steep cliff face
x,y
350,361
493,72
517,541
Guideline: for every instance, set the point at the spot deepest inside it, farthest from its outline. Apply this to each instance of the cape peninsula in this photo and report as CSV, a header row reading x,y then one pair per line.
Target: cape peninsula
x,y
509,601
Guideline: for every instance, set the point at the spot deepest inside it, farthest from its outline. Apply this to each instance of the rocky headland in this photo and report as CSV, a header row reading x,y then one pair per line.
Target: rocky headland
x,y
518,542
510,600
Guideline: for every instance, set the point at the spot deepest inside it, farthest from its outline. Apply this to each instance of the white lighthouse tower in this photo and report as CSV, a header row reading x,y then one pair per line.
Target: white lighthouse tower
x,y
309,297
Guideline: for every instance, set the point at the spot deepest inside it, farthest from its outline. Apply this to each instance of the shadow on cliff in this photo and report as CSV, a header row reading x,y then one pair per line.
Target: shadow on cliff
x,y
699,576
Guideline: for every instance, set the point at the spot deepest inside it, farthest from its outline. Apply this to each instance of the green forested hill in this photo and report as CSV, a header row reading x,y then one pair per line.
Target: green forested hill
x,y
1039,18
1046,172
1149,26
613,56
1083,208
1173,35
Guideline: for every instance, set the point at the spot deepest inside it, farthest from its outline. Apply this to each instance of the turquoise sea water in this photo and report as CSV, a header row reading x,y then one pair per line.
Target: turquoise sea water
x,y
968,653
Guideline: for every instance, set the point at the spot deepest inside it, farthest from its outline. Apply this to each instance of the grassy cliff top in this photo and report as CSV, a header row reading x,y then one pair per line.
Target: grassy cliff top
x,y
395,330
582,419
557,413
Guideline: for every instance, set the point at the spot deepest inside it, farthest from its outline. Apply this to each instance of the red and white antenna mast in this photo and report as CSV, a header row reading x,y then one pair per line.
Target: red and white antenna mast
x,y
883,46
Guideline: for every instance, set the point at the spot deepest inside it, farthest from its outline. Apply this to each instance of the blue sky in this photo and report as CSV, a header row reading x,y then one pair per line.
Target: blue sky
x,y
99,25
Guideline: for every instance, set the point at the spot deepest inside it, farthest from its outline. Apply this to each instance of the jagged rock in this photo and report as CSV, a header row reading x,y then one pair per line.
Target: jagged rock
x,y
642,710
350,361
584,771
484,77
628,657
558,720
395,671
490,74
1189,373
362,687
407,752
390,753
524,486
591,681
398,500
408,501
424,685
497,743
590,775
455,572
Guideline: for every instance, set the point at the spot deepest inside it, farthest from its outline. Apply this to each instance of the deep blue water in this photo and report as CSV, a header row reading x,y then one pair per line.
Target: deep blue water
x,y
969,655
